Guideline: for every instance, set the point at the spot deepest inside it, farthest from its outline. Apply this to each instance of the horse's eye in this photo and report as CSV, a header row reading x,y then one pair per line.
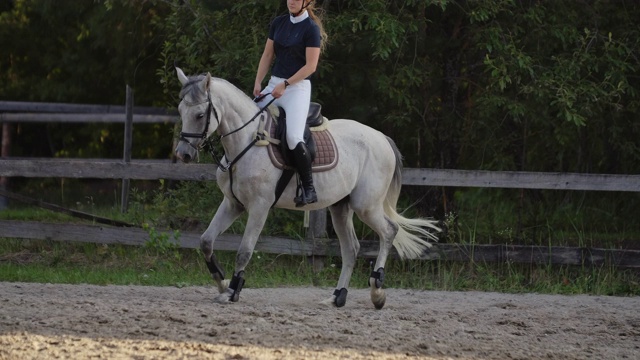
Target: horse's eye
x,y
200,116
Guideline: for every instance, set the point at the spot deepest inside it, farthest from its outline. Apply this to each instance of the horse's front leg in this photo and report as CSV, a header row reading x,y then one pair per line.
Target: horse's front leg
x,y
226,214
255,223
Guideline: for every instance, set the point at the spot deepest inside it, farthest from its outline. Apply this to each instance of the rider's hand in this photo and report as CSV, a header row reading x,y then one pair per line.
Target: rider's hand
x,y
256,89
278,90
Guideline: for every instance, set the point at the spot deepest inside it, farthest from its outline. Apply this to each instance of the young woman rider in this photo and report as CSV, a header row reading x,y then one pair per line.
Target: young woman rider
x,y
293,47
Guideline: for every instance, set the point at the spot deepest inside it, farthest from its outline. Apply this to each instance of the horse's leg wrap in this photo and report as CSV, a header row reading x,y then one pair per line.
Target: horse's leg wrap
x,y
215,268
341,297
236,284
378,276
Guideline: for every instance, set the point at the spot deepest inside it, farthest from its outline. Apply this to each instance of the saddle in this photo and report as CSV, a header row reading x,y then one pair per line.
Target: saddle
x,y
324,153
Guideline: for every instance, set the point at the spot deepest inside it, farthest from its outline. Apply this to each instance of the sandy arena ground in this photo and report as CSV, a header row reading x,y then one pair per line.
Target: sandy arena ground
x,y
45,321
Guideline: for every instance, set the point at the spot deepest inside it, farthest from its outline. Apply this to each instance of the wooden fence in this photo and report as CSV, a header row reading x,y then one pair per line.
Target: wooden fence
x,y
328,247
313,245
28,112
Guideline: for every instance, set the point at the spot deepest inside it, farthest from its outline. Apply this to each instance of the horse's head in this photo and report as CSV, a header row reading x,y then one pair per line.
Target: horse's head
x,y
199,117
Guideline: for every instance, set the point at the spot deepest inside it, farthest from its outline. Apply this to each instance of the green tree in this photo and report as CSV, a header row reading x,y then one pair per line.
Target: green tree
x,y
493,84
85,53
562,76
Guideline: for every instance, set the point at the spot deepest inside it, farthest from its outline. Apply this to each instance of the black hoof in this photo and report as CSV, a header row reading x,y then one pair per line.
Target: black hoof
x,y
341,297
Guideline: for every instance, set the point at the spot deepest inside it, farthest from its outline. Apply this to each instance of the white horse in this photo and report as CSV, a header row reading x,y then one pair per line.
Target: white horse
x,y
366,180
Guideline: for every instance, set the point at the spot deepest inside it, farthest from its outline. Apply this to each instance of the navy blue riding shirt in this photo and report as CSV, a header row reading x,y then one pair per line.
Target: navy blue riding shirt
x,y
290,42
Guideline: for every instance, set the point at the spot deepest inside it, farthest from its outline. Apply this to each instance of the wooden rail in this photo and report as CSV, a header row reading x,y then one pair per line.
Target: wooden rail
x,y
86,118
106,169
548,255
158,169
521,180
54,108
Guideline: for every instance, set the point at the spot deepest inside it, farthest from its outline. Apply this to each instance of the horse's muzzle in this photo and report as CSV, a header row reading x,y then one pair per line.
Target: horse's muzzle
x,y
186,158
185,152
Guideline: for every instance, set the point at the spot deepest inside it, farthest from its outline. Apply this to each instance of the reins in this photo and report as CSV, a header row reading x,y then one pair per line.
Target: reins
x,y
208,143
254,116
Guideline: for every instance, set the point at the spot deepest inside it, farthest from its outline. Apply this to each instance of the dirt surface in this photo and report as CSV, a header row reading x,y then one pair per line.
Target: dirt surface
x,y
135,322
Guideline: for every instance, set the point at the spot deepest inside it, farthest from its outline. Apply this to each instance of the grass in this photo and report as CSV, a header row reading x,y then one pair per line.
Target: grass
x,y
87,263
58,262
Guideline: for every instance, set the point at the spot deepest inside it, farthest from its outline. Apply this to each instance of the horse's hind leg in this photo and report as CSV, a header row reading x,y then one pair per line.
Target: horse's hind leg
x,y
342,218
227,213
386,230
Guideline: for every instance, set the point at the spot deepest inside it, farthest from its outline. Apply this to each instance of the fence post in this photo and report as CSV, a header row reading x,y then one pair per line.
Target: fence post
x,y
128,139
5,148
317,229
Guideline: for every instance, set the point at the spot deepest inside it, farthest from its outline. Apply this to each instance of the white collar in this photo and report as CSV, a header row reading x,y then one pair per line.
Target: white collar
x,y
299,18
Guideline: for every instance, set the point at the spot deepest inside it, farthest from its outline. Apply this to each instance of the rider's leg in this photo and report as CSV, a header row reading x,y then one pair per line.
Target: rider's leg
x,y
295,102
303,164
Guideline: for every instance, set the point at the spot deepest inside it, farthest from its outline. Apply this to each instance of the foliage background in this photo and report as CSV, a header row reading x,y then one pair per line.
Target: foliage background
x,y
546,86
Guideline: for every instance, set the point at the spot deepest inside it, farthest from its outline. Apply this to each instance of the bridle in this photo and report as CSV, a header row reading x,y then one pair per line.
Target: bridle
x,y
203,134
208,143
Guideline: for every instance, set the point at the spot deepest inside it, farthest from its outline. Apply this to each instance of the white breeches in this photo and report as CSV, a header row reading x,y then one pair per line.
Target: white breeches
x,y
295,102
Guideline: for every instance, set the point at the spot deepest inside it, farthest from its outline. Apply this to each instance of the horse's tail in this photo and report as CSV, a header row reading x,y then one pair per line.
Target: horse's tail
x,y
410,241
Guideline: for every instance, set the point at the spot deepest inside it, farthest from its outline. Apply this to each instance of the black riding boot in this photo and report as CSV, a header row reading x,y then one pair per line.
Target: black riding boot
x,y
302,157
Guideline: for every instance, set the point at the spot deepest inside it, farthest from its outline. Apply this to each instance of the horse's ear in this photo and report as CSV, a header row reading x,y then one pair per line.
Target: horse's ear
x,y
208,81
182,77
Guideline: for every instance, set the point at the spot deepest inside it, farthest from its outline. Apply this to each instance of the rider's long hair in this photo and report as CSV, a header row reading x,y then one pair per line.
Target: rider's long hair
x,y
317,15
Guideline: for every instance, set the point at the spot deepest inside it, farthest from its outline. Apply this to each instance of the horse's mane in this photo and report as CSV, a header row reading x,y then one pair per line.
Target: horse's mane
x,y
191,88
230,88
195,92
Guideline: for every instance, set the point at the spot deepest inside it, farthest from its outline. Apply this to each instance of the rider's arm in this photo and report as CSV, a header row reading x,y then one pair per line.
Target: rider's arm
x,y
312,55
263,67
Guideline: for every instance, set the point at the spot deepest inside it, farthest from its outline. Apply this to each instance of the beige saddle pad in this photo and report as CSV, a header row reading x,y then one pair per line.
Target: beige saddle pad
x,y
326,150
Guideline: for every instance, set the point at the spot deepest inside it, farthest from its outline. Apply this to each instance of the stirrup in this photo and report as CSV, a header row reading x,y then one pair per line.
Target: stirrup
x,y
301,198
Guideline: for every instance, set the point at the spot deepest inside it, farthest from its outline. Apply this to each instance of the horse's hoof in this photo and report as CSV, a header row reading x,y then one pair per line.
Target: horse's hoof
x,y
378,297
329,302
223,286
224,297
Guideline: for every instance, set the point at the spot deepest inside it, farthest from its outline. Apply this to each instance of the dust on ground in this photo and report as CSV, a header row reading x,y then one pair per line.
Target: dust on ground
x,y
139,322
